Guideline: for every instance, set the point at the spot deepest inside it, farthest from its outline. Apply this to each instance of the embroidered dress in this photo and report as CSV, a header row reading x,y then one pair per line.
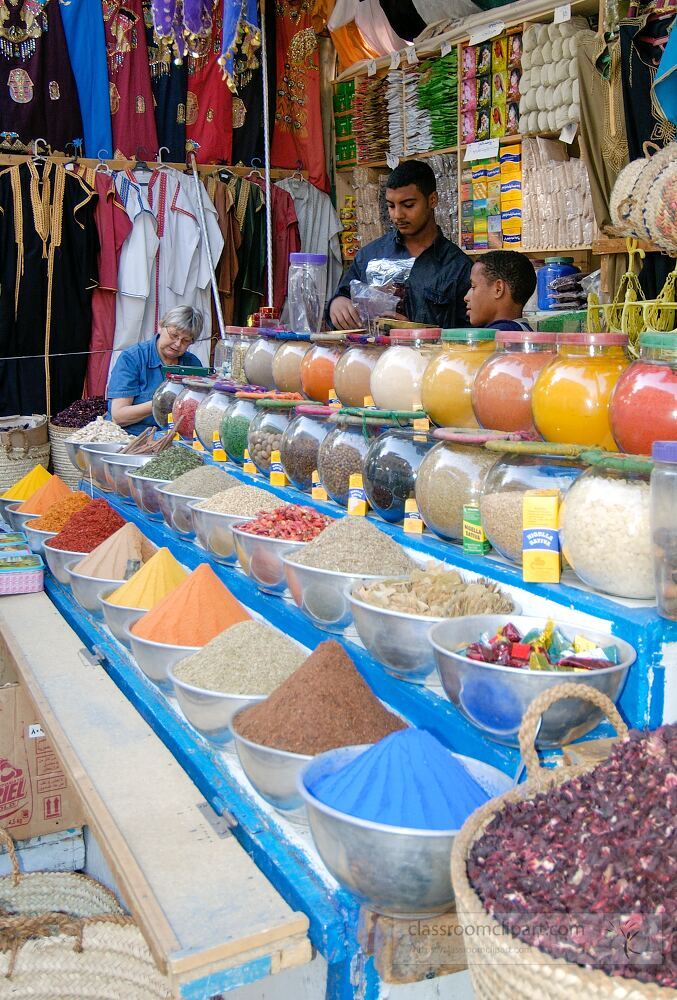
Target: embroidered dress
x,y
38,96
209,110
47,273
169,80
131,95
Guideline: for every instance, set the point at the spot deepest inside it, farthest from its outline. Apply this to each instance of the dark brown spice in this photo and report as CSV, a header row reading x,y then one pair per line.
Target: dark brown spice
x,y
596,855
324,704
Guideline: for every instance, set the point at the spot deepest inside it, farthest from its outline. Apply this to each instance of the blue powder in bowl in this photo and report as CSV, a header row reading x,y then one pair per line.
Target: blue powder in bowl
x,y
407,779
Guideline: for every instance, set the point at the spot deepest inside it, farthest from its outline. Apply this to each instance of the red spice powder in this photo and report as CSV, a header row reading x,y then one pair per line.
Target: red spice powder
x,y
88,527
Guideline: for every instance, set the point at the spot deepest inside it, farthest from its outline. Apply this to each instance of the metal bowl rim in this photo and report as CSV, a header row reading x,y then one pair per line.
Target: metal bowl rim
x,y
121,607
148,479
218,513
95,446
564,674
115,456
332,572
264,538
431,619
41,531
66,552
179,496
365,824
84,576
218,694
14,507
160,645
261,746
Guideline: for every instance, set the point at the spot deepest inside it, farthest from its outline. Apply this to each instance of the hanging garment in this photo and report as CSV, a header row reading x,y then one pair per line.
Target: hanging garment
x,y
113,226
241,38
431,11
251,256
286,239
47,273
297,136
169,80
248,101
209,108
371,22
38,95
319,225
84,29
131,95
350,44
665,83
226,272
403,17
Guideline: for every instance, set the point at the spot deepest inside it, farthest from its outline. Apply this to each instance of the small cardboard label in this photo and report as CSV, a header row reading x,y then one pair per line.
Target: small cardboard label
x,y
369,401
333,400
421,424
413,522
474,537
371,67
485,33
562,13
35,731
197,444
218,453
318,491
248,464
170,426
446,49
487,149
568,133
357,498
277,473
392,160
395,58
412,58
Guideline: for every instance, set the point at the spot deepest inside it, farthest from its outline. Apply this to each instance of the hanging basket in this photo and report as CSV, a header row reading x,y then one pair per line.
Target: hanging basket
x,y
503,967
61,463
22,450
64,936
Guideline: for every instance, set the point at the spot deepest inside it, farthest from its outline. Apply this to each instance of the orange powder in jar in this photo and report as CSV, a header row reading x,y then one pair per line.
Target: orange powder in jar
x,y
194,613
317,371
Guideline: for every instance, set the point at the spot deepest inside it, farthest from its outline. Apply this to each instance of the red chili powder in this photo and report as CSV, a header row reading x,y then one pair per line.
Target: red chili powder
x,y
88,527
324,704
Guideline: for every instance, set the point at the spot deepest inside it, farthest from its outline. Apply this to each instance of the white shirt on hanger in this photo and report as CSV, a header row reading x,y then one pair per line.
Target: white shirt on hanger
x,y
319,225
372,22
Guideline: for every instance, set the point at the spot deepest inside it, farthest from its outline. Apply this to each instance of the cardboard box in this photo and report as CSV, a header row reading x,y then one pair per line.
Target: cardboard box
x,y
35,796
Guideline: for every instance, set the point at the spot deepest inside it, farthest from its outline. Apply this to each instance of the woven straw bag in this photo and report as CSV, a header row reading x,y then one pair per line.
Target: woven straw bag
x,y
660,211
65,937
503,967
61,463
22,450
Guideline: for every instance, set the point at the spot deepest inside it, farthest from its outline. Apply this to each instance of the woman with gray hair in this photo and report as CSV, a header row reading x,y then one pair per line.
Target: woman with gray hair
x,y
138,371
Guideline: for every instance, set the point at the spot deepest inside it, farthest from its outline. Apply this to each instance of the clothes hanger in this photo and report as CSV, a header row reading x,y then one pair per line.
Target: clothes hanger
x,y
160,165
37,156
77,153
256,163
102,167
141,167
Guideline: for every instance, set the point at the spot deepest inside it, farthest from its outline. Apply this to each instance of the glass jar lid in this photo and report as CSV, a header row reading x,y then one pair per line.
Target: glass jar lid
x,y
315,410
525,337
199,383
461,435
665,343
308,258
183,370
243,331
468,335
289,335
593,339
664,451
428,334
277,404
615,462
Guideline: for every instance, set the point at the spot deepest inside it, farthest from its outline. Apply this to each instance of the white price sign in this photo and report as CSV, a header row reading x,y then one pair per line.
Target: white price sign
x,y
484,150
568,133
371,67
35,731
392,160
412,58
446,49
562,13
395,60
486,32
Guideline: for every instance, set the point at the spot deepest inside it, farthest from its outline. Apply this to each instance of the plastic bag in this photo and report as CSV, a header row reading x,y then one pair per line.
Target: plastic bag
x,y
384,290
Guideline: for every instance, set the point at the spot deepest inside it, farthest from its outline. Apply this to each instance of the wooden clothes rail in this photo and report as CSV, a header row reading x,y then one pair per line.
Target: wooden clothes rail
x,y
204,169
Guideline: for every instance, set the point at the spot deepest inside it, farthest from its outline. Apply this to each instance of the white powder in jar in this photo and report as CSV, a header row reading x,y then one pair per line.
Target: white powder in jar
x,y
606,537
397,377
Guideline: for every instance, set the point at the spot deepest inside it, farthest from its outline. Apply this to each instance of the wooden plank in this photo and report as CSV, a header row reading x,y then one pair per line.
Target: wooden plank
x,y
409,950
618,244
63,851
199,899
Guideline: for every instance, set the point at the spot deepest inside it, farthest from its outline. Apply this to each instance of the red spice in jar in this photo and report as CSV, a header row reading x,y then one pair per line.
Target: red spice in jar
x,y
643,407
184,410
291,522
88,527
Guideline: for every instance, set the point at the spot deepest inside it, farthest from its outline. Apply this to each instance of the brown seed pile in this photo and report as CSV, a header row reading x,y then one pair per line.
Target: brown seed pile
x,y
353,545
324,704
597,855
340,456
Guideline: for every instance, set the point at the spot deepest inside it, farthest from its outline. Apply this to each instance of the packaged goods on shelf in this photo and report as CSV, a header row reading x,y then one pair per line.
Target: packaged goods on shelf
x,y
408,124
367,210
370,118
445,169
549,84
557,201
438,94
490,98
491,202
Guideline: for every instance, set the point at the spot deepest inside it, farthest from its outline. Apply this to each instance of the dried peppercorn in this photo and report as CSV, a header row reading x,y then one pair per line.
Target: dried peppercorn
x,y
292,522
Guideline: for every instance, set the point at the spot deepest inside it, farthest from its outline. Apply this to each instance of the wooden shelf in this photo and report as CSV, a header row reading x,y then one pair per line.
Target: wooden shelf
x,y
446,150
548,252
618,244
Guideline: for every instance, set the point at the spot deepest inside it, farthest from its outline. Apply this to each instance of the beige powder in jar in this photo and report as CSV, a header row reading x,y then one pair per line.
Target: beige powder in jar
x,y
397,378
287,365
352,375
448,478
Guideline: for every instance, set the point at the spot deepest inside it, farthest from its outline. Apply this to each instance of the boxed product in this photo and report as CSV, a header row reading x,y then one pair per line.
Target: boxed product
x,y
483,63
482,126
483,91
541,561
514,48
468,133
497,123
21,573
469,62
499,54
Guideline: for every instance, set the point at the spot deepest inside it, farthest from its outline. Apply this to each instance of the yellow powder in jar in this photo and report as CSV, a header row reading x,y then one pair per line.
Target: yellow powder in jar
x,y
119,556
158,577
28,484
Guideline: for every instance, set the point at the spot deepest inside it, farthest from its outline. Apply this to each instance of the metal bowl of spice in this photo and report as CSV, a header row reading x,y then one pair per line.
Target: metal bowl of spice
x,y
115,469
210,712
214,532
118,618
59,559
88,589
16,519
177,512
324,595
36,538
261,559
394,870
398,638
273,773
143,491
494,697
92,456
155,659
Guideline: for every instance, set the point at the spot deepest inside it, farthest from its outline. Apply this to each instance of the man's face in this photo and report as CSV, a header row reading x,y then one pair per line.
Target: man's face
x,y
480,299
409,209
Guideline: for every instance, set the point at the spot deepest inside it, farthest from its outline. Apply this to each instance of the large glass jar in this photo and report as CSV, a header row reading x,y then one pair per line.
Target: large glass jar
x,y
398,374
570,398
194,391
605,530
235,426
164,398
258,362
301,442
352,378
448,379
242,341
503,494
266,430
287,363
342,453
501,392
451,475
664,526
223,352
644,403
317,370
210,413
390,469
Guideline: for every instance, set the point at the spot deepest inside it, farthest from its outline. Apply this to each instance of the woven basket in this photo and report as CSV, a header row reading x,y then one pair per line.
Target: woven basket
x,y
61,463
65,937
503,967
21,451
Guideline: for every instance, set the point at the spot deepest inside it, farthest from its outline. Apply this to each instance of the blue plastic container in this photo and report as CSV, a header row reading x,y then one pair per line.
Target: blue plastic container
x,y
555,267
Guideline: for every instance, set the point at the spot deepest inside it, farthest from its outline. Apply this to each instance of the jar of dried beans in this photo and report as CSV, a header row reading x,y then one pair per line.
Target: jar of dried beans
x,y
301,442
448,379
164,398
644,402
352,377
390,469
194,391
501,392
343,450
266,429
397,377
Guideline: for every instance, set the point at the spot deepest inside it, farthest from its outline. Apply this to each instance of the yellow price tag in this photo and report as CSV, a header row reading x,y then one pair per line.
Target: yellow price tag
x,y
218,454
413,522
318,491
248,464
170,426
369,401
197,444
357,498
334,401
277,473
421,424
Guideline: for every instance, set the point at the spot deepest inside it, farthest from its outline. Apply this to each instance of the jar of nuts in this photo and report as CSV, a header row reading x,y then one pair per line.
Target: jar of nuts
x,y
301,443
343,450
266,429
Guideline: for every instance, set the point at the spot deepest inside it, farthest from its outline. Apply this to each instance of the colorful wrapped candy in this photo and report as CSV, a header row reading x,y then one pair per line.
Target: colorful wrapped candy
x,y
548,649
